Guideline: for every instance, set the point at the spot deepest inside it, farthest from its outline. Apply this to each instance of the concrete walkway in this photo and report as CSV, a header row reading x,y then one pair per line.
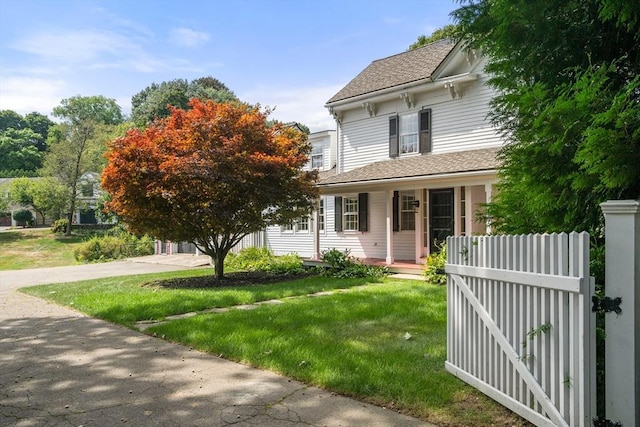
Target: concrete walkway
x,y
61,368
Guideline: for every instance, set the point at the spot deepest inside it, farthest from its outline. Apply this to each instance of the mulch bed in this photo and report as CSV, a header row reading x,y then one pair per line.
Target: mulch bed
x,y
240,278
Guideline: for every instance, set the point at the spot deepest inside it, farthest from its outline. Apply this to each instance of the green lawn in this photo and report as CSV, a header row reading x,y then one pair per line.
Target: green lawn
x,y
384,343
36,248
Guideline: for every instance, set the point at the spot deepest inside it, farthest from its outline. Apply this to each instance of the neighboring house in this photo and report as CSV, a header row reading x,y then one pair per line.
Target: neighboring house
x,y
89,194
416,155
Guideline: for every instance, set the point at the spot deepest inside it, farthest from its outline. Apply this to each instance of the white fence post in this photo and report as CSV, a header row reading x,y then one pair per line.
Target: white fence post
x,y
622,278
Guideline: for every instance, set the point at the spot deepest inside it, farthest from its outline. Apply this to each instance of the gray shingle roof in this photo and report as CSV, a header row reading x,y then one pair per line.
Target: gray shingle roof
x,y
397,70
419,166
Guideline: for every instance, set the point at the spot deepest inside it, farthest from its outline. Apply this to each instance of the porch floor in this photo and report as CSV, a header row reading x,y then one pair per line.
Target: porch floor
x,y
398,266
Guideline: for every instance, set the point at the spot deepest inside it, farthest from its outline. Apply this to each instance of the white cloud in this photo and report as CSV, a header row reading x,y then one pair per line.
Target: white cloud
x,y
186,37
75,46
303,105
26,94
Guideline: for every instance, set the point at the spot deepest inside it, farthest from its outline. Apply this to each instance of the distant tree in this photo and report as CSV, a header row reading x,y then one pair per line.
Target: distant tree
x,y
446,32
40,124
9,119
19,150
75,145
209,175
153,101
44,195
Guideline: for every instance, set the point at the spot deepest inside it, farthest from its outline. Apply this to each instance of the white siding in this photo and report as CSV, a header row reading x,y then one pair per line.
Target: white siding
x,y
457,124
282,243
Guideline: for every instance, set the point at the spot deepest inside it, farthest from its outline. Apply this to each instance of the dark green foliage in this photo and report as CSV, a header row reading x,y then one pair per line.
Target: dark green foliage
x,y
342,265
447,32
434,269
152,102
262,259
567,72
23,217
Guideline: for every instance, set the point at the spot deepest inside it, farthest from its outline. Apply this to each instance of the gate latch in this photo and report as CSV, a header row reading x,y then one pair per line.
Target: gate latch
x,y
606,304
603,422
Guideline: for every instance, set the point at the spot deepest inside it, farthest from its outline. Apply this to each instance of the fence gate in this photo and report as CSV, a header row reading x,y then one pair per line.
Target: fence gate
x,y
520,327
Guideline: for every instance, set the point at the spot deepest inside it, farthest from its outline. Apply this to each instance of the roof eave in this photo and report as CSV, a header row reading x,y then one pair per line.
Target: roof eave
x,y
378,95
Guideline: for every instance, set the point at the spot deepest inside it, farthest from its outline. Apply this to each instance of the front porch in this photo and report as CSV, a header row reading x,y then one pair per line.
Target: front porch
x,y
396,267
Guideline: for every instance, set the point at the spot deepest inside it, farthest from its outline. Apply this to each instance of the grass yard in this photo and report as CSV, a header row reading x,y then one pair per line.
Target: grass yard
x,y
383,343
36,248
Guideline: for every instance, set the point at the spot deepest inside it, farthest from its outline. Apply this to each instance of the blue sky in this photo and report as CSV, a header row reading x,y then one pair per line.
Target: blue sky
x,y
289,54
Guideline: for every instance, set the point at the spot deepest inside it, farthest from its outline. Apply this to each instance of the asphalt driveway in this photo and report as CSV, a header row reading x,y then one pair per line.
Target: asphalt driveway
x,y
61,368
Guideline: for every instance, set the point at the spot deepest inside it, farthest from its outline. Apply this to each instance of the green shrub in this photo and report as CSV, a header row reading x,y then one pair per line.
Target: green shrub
x,y
342,265
434,270
23,217
59,226
115,244
262,259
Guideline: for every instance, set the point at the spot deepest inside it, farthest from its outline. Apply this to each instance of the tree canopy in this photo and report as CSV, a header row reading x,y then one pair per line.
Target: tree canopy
x,y
209,175
446,32
568,78
22,143
77,145
153,102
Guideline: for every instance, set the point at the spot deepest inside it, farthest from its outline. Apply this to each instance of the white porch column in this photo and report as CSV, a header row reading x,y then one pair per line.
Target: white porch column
x,y
389,259
622,278
488,188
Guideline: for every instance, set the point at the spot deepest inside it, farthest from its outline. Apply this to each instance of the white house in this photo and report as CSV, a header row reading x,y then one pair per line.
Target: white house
x,y
415,158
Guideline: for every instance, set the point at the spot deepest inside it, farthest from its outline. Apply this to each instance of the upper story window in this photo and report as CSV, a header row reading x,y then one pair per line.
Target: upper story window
x,y
316,157
87,190
410,133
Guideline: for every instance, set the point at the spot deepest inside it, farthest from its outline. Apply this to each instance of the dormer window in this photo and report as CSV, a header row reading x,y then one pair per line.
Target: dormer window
x,y
316,157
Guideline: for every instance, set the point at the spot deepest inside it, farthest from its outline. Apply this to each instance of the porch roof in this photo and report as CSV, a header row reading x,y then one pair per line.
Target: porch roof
x,y
418,166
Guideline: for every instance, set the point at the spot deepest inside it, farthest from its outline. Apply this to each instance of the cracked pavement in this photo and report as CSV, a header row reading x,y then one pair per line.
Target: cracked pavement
x,y
61,368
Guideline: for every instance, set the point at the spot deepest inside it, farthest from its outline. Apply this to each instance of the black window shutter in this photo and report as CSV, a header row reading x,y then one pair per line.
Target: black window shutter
x,y
425,131
338,211
396,211
363,211
393,136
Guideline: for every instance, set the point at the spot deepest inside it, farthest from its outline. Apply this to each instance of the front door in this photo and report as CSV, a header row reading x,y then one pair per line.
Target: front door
x,y
440,217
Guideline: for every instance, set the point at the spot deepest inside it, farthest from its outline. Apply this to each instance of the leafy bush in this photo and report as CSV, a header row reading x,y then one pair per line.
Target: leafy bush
x,y
342,265
23,217
262,259
59,226
115,244
434,271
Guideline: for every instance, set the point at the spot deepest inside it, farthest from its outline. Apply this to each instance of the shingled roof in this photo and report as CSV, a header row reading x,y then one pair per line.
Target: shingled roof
x,y
419,166
396,70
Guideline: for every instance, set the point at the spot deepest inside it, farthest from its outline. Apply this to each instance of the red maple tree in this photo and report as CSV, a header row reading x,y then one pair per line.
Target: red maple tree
x,y
209,175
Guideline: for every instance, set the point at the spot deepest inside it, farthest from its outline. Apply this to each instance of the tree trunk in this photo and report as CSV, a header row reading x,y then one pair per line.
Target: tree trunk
x,y
219,265
70,218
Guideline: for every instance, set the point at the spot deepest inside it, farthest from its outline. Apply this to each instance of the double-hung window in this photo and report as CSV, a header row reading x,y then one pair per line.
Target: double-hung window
x,y
407,210
350,213
410,133
316,157
302,224
321,214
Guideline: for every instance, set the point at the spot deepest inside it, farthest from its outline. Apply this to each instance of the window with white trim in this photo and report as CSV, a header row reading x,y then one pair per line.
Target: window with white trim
x,y
407,210
302,224
409,134
316,157
321,214
350,213
287,228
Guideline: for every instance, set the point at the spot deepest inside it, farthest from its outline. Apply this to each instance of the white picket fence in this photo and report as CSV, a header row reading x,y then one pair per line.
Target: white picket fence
x,y
520,326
